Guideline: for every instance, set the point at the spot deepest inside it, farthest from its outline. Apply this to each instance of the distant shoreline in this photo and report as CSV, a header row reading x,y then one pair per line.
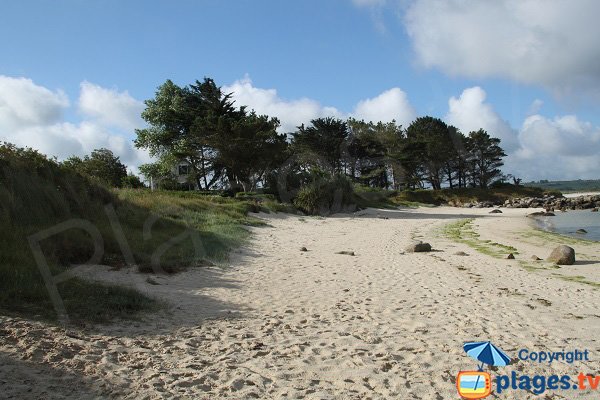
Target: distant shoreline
x,y
578,194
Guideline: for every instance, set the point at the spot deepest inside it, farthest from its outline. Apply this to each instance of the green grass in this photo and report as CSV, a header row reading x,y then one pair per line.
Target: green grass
x,y
578,279
554,238
462,231
36,194
220,223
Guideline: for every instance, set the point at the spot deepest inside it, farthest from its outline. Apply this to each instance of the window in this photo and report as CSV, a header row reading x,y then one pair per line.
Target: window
x,y
184,170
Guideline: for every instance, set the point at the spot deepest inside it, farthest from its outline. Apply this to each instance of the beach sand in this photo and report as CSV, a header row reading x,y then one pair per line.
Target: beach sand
x,y
280,323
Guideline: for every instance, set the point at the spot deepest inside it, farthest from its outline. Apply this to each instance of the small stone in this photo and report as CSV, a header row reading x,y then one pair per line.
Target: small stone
x,y
303,248
581,231
496,211
418,247
595,209
460,253
510,256
535,258
347,253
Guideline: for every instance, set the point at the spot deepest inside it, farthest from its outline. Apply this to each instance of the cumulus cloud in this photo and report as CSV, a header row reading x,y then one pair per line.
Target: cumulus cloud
x,y
23,103
549,43
470,112
32,116
558,148
291,113
562,147
390,105
110,107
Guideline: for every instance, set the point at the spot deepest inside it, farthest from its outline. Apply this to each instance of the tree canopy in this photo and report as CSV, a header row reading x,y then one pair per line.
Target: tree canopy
x,y
199,124
101,165
227,146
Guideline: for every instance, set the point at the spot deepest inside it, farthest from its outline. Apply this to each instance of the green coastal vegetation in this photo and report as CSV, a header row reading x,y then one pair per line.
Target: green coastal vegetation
x,y
236,162
37,193
579,185
318,166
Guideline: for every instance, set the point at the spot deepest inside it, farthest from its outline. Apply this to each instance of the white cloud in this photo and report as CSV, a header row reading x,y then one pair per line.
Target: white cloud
x,y
110,107
291,113
390,105
23,103
470,112
535,106
550,43
559,148
562,147
32,116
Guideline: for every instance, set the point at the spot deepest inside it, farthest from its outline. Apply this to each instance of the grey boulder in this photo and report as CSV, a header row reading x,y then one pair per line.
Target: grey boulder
x,y
562,255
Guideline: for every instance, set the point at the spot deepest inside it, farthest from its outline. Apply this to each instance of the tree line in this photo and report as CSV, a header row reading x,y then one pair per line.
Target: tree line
x,y
226,146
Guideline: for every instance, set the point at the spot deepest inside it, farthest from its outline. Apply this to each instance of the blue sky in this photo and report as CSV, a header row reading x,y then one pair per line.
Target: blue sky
x,y
522,76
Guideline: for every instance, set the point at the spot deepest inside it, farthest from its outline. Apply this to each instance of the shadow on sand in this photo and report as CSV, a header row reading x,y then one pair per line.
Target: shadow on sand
x,y
20,379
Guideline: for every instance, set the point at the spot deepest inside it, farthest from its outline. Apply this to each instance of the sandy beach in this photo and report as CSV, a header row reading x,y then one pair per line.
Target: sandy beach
x,y
281,323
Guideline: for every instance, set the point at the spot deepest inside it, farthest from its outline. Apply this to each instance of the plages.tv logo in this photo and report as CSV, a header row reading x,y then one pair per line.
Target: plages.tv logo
x,y
478,384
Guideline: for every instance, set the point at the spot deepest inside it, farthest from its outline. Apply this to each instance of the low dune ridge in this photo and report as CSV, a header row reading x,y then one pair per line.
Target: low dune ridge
x,y
278,322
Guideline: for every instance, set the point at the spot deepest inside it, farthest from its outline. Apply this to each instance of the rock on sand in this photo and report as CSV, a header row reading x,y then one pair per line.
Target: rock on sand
x,y
562,255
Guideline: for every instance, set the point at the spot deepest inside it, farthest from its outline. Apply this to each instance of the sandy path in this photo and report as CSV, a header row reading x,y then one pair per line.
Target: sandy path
x,y
281,323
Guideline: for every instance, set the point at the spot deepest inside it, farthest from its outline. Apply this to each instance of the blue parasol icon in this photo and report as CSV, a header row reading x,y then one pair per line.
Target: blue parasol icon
x,y
487,353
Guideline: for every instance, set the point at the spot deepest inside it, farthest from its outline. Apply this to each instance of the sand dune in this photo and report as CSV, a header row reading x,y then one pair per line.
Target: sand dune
x,y
282,323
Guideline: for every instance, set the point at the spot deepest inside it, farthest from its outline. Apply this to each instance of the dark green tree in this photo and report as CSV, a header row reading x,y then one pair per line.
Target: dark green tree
x,y
221,143
101,165
250,149
456,168
325,137
431,137
132,181
485,158
370,150
184,125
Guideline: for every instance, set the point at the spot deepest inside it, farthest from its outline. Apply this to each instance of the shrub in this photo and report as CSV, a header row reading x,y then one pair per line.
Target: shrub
x,y
326,196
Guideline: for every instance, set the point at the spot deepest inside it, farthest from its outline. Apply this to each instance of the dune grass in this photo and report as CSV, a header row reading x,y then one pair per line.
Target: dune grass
x,y
178,229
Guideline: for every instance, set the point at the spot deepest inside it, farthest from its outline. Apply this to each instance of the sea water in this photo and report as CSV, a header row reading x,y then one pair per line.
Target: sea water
x,y
567,223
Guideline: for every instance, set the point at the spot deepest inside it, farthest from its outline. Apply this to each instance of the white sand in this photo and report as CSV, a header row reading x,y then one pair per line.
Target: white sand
x,y
281,323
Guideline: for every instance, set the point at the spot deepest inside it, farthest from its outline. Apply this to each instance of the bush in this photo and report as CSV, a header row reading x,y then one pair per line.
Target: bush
x,y
132,182
326,196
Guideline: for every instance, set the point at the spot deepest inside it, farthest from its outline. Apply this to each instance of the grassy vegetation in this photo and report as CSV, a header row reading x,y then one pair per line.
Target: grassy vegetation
x,y
579,185
462,231
578,279
36,193
554,238
466,195
326,195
